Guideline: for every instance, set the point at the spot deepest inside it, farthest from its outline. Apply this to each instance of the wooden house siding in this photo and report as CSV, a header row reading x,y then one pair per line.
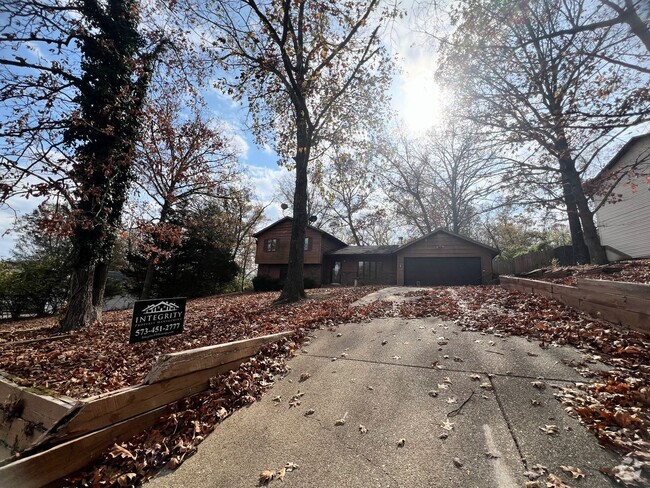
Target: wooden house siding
x,y
282,232
625,225
444,245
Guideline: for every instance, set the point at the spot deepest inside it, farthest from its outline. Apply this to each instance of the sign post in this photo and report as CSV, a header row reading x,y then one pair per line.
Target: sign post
x,y
153,319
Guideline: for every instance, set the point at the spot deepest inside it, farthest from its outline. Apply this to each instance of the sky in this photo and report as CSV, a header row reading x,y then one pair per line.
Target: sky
x,y
415,99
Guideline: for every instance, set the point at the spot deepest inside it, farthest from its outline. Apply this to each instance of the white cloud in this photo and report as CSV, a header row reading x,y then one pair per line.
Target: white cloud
x,y
234,132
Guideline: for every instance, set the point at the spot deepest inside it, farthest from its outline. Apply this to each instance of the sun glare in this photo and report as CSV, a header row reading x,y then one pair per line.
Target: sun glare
x,y
420,101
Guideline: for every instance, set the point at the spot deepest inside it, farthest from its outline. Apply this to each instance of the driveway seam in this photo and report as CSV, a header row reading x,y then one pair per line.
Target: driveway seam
x,y
509,425
453,370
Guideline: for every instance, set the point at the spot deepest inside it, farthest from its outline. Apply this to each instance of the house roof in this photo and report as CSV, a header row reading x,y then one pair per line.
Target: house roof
x,y
621,152
444,231
285,219
363,250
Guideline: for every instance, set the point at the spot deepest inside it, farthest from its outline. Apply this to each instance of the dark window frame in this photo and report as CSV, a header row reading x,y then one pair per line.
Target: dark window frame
x,y
370,270
271,245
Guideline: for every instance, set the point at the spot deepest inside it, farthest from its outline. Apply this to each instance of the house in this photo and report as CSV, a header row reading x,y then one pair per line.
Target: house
x,y
439,258
623,213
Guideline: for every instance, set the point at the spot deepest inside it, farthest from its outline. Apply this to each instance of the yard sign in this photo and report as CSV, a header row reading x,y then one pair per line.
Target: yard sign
x,y
153,319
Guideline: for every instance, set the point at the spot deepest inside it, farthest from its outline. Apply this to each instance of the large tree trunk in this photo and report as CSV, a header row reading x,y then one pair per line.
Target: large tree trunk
x,y
580,250
294,287
148,278
592,239
80,311
573,189
99,287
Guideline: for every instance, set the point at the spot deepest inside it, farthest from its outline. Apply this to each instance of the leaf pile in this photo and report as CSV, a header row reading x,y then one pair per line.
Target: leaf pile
x,y
99,359
616,407
176,435
635,271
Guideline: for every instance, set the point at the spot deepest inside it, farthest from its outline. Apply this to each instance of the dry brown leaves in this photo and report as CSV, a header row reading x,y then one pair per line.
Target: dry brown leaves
x,y
99,359
635,271
176,435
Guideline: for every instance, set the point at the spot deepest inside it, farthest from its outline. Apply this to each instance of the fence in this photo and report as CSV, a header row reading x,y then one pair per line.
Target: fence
x,y
70,433
563,255
625,304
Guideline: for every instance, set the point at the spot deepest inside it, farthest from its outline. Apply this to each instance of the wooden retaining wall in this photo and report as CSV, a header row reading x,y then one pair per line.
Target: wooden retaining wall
x,y
76,432
625,304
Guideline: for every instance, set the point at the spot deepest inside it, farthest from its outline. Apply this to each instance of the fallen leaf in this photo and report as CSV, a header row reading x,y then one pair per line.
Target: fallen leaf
x,y
339,422
576,473
126,479
291,466
311,411
486,386
549,429
305,376
266,476
475,377
397,358
362,429
281,473
540,385
457,462
451,400
433,393
400,443
554,481
447,425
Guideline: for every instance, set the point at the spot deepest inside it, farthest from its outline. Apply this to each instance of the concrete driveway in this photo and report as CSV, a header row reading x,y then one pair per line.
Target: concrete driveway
x,y
463,403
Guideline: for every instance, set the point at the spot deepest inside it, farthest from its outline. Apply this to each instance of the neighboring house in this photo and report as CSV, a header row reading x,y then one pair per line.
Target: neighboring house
x,y
624,218
439,258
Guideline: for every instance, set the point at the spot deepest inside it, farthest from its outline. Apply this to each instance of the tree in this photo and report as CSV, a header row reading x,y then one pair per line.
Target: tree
x,y
180,158
202,262
611,13
553,95
244,216
348,186
75,76
444,179
36,279
308,69
317,206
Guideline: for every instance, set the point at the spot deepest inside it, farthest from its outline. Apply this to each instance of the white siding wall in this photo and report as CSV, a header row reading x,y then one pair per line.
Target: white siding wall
x,y
625,225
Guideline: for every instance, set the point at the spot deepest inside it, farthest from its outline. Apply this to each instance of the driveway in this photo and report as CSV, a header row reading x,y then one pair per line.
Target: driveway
x,y
406,403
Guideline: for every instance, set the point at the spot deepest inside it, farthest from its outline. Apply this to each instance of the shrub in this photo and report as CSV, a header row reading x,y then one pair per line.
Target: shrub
x,y
266,283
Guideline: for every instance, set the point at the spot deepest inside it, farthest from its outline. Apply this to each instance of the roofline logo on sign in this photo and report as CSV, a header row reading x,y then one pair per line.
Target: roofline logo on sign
x,y
160,307
153,319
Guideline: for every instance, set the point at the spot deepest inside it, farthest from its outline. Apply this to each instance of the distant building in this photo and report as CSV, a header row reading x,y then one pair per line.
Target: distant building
x,y
623,219
439,258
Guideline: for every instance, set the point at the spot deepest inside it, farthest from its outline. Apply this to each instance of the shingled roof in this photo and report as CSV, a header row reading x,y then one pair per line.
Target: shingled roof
x,y
363,250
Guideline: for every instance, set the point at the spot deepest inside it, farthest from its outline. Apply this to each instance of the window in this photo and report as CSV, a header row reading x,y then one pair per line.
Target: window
x,y
271,245
308,243
370,270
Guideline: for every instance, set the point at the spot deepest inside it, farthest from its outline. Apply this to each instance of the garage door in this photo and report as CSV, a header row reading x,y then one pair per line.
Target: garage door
x,y
442,271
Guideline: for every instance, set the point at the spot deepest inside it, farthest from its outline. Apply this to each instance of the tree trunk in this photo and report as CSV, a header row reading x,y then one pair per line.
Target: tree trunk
x,y
580,250
294,287
591,237
148,278
99,287
572,186
80,310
